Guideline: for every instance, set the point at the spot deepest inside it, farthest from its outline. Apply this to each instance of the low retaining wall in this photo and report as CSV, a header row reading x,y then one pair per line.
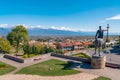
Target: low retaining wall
x,y
71,57
107,64
14,58
112,65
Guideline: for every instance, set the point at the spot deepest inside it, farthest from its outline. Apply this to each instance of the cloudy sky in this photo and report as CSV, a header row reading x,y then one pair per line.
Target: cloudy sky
x,y
85,15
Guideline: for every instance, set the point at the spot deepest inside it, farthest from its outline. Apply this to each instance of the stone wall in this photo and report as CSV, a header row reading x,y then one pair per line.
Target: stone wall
x,y
71,57
14,58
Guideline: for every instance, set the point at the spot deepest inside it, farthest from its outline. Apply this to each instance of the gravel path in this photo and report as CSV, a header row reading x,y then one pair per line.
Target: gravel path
x,y
80,76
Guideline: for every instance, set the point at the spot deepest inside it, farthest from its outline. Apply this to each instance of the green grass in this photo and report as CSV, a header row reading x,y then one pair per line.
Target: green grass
x,y
102,78
5,68
82,55
58,68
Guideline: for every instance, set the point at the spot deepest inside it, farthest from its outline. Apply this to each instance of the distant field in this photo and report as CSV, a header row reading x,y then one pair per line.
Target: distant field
x,y
5,68
51,67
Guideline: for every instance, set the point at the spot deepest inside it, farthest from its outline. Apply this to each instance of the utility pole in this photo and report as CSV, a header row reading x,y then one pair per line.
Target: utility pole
x,y
119,40
107,32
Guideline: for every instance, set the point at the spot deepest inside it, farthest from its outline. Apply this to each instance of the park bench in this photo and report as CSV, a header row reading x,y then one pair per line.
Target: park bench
x,y
36,59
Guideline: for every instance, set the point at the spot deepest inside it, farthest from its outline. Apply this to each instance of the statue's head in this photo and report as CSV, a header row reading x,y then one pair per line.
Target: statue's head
x,y
100,27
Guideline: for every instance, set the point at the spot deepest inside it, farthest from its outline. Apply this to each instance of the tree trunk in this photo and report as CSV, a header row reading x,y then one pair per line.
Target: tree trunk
x,y
17,47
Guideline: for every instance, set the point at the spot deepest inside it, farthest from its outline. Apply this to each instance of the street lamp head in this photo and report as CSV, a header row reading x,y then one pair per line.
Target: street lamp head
x,y
108,26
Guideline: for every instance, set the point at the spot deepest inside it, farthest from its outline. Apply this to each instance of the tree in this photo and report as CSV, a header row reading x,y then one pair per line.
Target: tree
x,y
35,50
27,49
4,45
18,36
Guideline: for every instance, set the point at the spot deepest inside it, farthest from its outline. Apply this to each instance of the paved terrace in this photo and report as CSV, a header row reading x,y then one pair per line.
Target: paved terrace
x,y
85,68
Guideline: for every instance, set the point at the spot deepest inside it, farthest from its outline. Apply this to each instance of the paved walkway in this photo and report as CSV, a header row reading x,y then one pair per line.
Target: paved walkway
x,y
80,76
107,72
27,62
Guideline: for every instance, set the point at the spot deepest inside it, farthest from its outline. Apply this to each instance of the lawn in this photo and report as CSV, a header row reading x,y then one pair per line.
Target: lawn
x,y
82,55
51,67
5,68
102,78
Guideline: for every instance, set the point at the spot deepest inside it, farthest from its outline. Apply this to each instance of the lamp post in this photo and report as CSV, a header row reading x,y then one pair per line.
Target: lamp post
x,y
107,31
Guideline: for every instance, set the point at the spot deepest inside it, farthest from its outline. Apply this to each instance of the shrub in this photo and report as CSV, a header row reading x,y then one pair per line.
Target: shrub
x,y
32,55
25,56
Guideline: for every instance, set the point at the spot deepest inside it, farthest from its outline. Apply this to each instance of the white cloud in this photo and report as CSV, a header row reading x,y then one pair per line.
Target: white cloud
x,y
31,26
52,27
88,30
4,26
64,28
72,29
116,17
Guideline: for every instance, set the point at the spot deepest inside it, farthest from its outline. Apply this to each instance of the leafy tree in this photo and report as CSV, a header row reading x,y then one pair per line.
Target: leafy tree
x,y
50,49
35,50
58,51
18,36
91,46
27,49
4,45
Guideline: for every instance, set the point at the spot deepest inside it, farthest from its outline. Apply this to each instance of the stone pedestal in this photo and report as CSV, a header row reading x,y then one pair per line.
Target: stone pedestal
x,y
98,62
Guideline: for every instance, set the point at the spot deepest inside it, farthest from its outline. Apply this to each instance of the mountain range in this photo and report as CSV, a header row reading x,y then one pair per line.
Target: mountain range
x,y
49,32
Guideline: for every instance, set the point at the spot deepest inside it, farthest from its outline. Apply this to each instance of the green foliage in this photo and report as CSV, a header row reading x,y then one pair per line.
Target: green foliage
x,y
58,51
25,56
91,46
18,35
28,55
27,49
32,55
102,78
36,49
51,67
4,45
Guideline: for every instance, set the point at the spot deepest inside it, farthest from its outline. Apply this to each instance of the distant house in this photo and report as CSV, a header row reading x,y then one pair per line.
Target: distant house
x,y
78,46
32,42
70,46
65,46
86,44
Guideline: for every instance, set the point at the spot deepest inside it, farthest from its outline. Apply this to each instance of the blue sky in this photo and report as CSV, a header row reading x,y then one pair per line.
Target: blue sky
x,y
73,15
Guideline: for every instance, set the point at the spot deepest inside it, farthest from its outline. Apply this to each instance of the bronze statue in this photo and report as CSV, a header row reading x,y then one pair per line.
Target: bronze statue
x,y
99,41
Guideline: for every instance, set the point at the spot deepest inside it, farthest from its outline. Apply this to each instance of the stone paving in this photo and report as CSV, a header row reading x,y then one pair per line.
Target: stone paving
x,y
107,72
80,76
85,68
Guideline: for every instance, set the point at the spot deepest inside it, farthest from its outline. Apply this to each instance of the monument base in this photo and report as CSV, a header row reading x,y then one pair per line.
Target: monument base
x,y
98,62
